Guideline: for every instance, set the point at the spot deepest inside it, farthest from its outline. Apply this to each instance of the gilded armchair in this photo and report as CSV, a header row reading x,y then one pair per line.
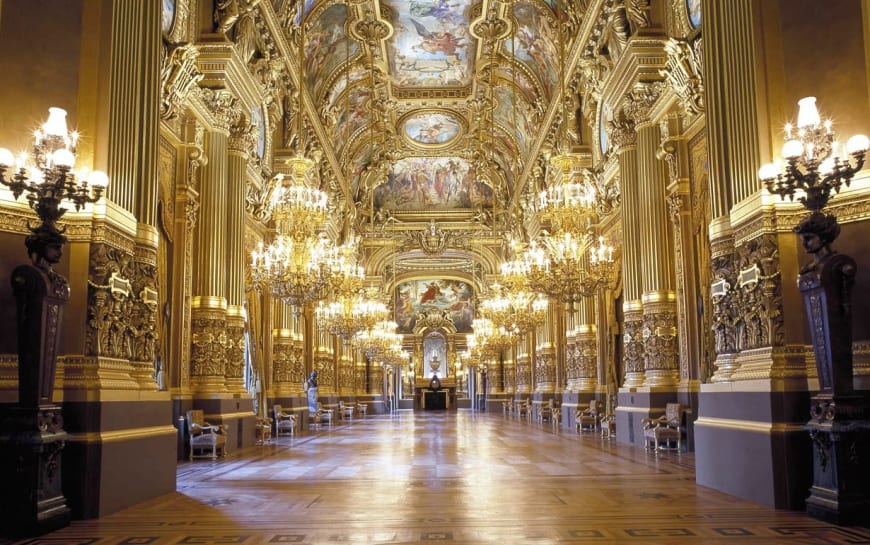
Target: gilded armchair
x,y
346,410
284,422
665,431
205,438
587,419
263,430
321,415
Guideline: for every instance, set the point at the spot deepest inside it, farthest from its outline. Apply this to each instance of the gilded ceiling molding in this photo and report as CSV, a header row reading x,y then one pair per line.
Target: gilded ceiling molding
x,y
684,73
223,107
178,76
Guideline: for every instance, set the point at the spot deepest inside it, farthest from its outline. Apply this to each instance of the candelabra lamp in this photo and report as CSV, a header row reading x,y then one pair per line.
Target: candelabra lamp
x,y
816,167
32,436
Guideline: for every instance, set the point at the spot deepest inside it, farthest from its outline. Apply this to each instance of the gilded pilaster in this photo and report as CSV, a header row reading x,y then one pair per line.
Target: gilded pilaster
x,y
586,352
571,369
298,372
238,145
661,363
524,367
546,372
725,308
510,370
324,363
624,139
209,307
346,370
143,307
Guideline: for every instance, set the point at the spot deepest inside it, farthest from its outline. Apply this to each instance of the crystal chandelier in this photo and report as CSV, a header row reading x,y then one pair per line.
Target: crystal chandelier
x,y
298,209
514,310
487,340
569,202
378,340
568,268
344,275
291,270
348,315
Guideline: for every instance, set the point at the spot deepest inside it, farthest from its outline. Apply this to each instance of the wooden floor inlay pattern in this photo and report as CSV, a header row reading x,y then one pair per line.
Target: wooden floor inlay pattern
x,y
449,479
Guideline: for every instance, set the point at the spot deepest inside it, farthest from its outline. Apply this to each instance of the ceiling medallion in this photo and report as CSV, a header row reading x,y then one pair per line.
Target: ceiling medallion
x,y
432,129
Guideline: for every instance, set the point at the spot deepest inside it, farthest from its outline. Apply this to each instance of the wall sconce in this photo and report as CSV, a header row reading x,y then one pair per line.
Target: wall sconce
x,y
47,178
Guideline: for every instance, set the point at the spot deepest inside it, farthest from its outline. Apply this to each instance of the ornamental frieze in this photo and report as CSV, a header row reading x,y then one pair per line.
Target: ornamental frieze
x,y
725,307
633,345
282,361
761,322
660,339
235,350
587,358
545,367
209,342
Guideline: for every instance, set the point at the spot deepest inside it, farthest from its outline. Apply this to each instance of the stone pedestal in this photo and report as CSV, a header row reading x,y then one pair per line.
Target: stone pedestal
x,y
839,425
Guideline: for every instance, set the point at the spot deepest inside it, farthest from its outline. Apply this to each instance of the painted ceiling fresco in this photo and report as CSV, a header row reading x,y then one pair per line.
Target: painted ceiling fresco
x,y
419,296
432,129
431,45
536,43
326,46
431,183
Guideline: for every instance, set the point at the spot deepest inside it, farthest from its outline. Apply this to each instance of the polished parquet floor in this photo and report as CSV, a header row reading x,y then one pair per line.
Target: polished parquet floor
x,y
447,478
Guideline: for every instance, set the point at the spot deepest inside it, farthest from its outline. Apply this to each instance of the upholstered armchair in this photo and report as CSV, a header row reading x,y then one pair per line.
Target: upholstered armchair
x,y
507,407
321,415
523,408
345,410
587,419
608,426
205,438
263,430
362,409
545,411
665,431
284,422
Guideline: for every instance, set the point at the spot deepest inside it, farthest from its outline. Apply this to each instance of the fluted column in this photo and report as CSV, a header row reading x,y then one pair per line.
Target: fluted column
x,y
234,226
344,363
633,223
209,305
545,353
524,366
298,372
733,145
510,370
572,371
586,346
661,364
282,351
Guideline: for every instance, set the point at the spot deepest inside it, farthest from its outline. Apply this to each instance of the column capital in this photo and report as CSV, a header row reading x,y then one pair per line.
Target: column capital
x,y
223,106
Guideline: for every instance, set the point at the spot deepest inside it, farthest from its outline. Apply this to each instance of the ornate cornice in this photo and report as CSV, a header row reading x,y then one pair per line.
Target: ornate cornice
x,y
223,107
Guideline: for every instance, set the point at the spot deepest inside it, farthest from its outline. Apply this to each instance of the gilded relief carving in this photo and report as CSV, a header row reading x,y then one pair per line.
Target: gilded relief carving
x,y
235,348
143,311
110,303
683,72
725,304
586,354
209,344
282,361
178,76
760,321
659,332
545,368
633,343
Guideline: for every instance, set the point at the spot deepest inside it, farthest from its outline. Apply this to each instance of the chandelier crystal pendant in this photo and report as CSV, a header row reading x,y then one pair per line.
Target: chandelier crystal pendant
x,y
515,311
298,209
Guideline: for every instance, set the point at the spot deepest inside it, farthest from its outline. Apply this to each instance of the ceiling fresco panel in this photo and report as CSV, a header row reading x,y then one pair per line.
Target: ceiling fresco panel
x,y
432,129
431,45
536,43
431,183
326,46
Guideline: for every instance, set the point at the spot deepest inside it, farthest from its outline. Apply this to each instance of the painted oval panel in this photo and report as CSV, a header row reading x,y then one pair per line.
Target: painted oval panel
x,y
168,16
432,128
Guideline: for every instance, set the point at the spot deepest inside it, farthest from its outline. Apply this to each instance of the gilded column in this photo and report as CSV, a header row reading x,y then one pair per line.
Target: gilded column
x,y
661,363
324,362
510,370
346,372
572,371
147,87
283,356
298,372
186,200
239,146
545,353
524,367
209,305
733,145
622,132
586,347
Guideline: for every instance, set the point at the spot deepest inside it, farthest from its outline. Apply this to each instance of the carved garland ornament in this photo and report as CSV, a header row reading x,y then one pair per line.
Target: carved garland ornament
x,y
760,321
660,340
282,361
209,340
633,344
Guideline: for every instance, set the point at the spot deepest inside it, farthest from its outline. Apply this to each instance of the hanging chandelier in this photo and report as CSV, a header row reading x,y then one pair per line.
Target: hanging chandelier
x,y
379,340
298,209
347,315
569,202
515,310
344,275
291,270
568,268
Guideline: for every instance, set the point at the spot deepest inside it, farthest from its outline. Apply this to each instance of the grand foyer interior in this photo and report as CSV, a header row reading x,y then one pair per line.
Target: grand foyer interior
x,y
551,200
